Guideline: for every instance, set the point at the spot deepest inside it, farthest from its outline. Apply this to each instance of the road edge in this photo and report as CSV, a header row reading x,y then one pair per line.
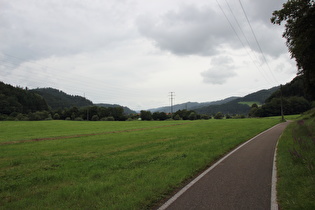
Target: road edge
x,y
274,202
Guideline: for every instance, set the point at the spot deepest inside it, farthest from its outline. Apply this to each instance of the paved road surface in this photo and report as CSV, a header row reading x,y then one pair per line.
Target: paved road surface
x,y
240,181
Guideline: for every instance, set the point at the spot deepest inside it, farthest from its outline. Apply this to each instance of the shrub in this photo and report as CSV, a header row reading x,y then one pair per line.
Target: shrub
x,y
95,118
110,118
177,117
192,116
56,116
219,115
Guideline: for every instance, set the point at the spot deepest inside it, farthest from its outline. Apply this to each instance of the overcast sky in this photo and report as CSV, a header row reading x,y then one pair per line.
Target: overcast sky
x,y
134,52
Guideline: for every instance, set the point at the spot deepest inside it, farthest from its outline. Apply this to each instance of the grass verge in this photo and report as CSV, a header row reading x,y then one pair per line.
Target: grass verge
x,y
124,170
296,164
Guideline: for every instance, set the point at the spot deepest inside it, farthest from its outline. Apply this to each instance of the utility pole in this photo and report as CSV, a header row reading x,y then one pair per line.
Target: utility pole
x,y
282,117
172,97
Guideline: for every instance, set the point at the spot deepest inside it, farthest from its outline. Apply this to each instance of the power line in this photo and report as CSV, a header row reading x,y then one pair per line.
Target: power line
x,y
241,30
231,25
259,47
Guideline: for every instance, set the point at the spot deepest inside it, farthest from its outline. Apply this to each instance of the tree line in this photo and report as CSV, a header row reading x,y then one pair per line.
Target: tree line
x,y
292,96
18,103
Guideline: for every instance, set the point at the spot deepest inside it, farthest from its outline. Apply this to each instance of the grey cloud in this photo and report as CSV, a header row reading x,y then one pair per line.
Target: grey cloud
x,y
262,10
259,13
221,70
190,30
203,31
39,29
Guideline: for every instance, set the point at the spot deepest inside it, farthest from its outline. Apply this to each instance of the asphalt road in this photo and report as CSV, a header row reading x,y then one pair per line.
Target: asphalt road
x,y
240,180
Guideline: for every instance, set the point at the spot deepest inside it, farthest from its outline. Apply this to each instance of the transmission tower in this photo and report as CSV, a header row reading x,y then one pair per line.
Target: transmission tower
x,y
172,98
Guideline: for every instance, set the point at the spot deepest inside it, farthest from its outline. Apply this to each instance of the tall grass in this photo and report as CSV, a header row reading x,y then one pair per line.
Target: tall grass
x,y
126,170
296,164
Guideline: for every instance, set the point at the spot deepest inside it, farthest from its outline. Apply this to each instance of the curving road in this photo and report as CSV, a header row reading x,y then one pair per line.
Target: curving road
x,y
240,180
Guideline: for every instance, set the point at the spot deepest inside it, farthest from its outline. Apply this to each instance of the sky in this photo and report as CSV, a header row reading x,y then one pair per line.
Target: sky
x,y
135,52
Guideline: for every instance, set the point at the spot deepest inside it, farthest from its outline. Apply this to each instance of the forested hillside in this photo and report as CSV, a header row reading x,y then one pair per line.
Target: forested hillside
x,y
56,99
47,103
14,100
259,96
235,106
293,88
294,101
192,105
232,107
126,109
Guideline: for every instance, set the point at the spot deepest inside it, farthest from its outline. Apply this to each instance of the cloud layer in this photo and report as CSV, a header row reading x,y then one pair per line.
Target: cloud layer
x,y
134,52
221,69
188,31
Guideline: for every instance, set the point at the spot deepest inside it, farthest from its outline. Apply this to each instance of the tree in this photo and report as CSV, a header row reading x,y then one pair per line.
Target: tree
x,y
253,110
145,115
218,115
56,116
300,34
159,116
95,118
177,117
192,116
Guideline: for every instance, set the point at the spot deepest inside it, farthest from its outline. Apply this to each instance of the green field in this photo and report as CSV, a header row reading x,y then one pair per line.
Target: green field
x,y
114,165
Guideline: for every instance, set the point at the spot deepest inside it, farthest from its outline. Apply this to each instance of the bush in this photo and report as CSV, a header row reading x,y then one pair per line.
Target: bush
x,y
205,117
192,116
95,118
110,118
219,115
56,116
227,116
177,117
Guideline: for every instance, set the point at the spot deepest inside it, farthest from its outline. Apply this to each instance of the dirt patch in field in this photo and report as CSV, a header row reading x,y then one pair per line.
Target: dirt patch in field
x,y
90,134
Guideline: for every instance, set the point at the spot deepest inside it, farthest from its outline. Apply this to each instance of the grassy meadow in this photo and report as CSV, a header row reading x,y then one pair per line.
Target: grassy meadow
x,y
121,165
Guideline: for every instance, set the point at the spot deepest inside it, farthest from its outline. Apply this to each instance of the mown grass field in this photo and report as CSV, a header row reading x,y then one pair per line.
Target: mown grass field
x,y
126,165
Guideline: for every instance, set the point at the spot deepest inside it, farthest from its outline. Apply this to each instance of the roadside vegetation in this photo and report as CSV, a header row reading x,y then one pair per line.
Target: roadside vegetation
x,y
127,165
296,164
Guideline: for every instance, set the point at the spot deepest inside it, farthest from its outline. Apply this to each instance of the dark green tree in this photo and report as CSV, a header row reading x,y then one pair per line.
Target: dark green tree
x,y
299,16
145,115
159,116
192,116
218,115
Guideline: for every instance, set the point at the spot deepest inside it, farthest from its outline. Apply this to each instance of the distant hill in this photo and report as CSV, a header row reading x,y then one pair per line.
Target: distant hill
x,y
126,109
238,105
19,100
231,105
259,96
192,105
57,99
